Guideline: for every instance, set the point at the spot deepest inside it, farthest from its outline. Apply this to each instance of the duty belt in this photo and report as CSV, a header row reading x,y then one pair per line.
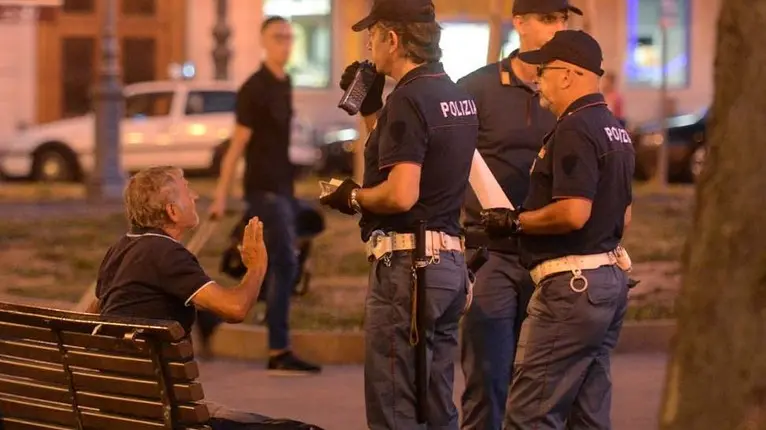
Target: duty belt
x,y
577,263
382,244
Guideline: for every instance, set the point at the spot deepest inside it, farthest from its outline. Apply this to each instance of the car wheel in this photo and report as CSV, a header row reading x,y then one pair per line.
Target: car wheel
x,y
696,162
54,164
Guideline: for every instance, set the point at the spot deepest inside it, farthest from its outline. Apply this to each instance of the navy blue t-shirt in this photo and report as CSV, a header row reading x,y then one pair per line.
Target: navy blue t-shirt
x,y
588,155
427,120
512,125
264,105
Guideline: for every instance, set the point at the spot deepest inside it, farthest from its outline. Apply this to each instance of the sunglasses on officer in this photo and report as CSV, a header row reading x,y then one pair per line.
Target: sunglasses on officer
x,y
543,67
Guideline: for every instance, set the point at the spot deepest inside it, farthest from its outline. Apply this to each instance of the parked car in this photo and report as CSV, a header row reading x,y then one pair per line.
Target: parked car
x,y
686,147
185,123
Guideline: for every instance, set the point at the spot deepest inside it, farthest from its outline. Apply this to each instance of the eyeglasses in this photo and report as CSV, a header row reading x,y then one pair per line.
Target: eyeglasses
x,y
541,69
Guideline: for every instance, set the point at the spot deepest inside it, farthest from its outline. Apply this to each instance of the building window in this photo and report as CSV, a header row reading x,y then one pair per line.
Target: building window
x,y
644,54
78,57
138,59
78,6
465,44
310,63
139,7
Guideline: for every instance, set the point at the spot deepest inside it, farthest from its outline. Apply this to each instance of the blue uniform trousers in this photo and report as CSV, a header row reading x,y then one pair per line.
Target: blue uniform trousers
x,y
389,370
561,372
488,339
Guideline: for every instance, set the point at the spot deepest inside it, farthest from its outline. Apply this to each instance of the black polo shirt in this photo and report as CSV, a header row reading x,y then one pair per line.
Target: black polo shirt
x,y
512,125
588,155
430,121
148,274
264,105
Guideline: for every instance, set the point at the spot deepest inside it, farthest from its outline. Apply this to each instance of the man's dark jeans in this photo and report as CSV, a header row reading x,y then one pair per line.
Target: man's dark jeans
x,y
277,212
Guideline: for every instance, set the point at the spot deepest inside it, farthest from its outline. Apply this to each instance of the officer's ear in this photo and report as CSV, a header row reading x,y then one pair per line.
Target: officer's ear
x,y
394,41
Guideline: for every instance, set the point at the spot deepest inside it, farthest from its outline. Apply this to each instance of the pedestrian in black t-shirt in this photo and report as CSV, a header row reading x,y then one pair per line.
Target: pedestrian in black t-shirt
x,y
570,229
262,134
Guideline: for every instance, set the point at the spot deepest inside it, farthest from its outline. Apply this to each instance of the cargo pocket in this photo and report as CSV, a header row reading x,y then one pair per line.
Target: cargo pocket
x,y
602,287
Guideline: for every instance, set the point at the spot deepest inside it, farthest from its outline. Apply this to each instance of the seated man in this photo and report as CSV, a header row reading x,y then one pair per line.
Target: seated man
x,y
149,273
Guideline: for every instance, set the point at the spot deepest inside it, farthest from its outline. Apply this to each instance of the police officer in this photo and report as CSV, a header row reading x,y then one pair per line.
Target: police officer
x,y
512,125
417,161
570,229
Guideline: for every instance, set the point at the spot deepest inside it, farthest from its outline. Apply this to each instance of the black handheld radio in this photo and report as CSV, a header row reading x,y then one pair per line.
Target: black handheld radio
x,y
355,94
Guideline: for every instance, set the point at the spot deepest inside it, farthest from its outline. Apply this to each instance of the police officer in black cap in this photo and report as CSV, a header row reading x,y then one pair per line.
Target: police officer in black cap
x,y
417,161
512,125
570,230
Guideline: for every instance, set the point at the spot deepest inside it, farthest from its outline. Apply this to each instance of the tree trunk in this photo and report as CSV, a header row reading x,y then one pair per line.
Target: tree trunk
x,y
717,374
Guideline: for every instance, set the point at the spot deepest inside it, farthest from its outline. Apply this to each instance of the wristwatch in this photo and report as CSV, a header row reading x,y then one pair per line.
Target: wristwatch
x,y
355,204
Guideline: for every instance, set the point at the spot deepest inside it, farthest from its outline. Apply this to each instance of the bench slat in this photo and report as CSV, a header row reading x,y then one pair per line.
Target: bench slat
x,y
100,383
168,331
147,389
49,414
38,372
26,388
190,413
186,371
180,351
130,366
19,424
31,351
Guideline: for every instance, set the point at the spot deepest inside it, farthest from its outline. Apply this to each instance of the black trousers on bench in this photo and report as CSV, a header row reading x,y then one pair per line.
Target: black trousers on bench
x,y
228,419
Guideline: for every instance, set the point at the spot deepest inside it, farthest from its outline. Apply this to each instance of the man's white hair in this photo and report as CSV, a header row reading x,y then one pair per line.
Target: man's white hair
x,y
148,193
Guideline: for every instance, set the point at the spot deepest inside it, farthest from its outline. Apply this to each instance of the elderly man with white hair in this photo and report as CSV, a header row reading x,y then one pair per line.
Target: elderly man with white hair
x,y
149,273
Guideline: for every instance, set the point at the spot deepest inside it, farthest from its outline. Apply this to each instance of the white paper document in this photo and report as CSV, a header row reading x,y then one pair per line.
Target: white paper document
x,y
329,187
485,186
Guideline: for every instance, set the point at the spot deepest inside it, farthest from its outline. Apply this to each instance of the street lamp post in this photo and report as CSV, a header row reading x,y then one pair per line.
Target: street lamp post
x,y
221,33
107,180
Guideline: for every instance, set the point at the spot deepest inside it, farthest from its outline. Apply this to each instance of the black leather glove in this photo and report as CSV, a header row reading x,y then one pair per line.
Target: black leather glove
x,y
340,199
500,222
374,100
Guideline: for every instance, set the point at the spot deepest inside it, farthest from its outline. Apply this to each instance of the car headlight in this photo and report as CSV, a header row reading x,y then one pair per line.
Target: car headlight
x,y
651,139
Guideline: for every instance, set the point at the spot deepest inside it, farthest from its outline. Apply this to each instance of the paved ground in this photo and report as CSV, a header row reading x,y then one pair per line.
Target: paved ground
x,y
334,399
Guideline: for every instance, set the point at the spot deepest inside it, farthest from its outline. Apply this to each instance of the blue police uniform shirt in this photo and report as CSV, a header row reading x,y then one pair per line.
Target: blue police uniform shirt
x,y
427,120
588,155
512,125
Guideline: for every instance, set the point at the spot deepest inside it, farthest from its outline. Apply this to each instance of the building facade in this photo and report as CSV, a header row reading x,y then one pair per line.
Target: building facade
x,y
51,56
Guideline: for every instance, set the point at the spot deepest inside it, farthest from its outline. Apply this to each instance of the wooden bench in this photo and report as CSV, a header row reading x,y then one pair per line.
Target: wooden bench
x,y
68,370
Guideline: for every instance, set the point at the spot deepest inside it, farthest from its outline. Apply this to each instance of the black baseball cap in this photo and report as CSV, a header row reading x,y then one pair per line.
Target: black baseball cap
x,y
572,46
397,11
523,7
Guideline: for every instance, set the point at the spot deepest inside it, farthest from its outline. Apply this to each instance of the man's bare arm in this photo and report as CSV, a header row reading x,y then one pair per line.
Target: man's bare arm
x,y
237,144
231,304
560,217
397,194
628,217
